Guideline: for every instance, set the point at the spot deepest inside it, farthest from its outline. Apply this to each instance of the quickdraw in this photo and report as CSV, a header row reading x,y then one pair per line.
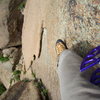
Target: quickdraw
x,y
92,59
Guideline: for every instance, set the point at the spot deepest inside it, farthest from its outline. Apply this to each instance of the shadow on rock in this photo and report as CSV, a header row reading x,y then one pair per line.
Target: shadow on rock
x,y
82,48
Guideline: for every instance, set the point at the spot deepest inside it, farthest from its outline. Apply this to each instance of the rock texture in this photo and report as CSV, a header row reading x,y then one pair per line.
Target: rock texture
x,y
11,21
21,91
34,24
5,73
6,68
14,55
76,21
4,12
15,23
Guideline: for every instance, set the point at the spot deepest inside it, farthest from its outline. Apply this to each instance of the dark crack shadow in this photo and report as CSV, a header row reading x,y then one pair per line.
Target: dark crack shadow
x,y
41,40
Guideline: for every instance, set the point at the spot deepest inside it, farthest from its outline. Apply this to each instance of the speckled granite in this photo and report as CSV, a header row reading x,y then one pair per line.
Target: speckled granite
x,y
83,24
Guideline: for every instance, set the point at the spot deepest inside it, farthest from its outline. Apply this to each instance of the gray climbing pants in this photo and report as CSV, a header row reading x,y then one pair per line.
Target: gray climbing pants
x,y
75,85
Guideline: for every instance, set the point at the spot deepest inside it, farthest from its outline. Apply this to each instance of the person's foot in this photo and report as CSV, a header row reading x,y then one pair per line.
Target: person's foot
x,y
60,46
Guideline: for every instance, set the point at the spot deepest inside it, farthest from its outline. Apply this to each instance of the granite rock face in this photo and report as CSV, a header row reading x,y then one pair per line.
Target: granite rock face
x,y
21,91
76,21
83,25
11,21
15,22
13,56
4,12
6,73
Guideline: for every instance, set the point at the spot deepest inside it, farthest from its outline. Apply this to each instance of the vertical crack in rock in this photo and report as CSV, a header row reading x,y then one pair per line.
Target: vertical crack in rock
x,y
17,58
41,38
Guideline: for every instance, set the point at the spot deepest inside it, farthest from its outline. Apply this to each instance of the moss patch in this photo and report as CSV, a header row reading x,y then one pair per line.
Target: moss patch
x,y
2,89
